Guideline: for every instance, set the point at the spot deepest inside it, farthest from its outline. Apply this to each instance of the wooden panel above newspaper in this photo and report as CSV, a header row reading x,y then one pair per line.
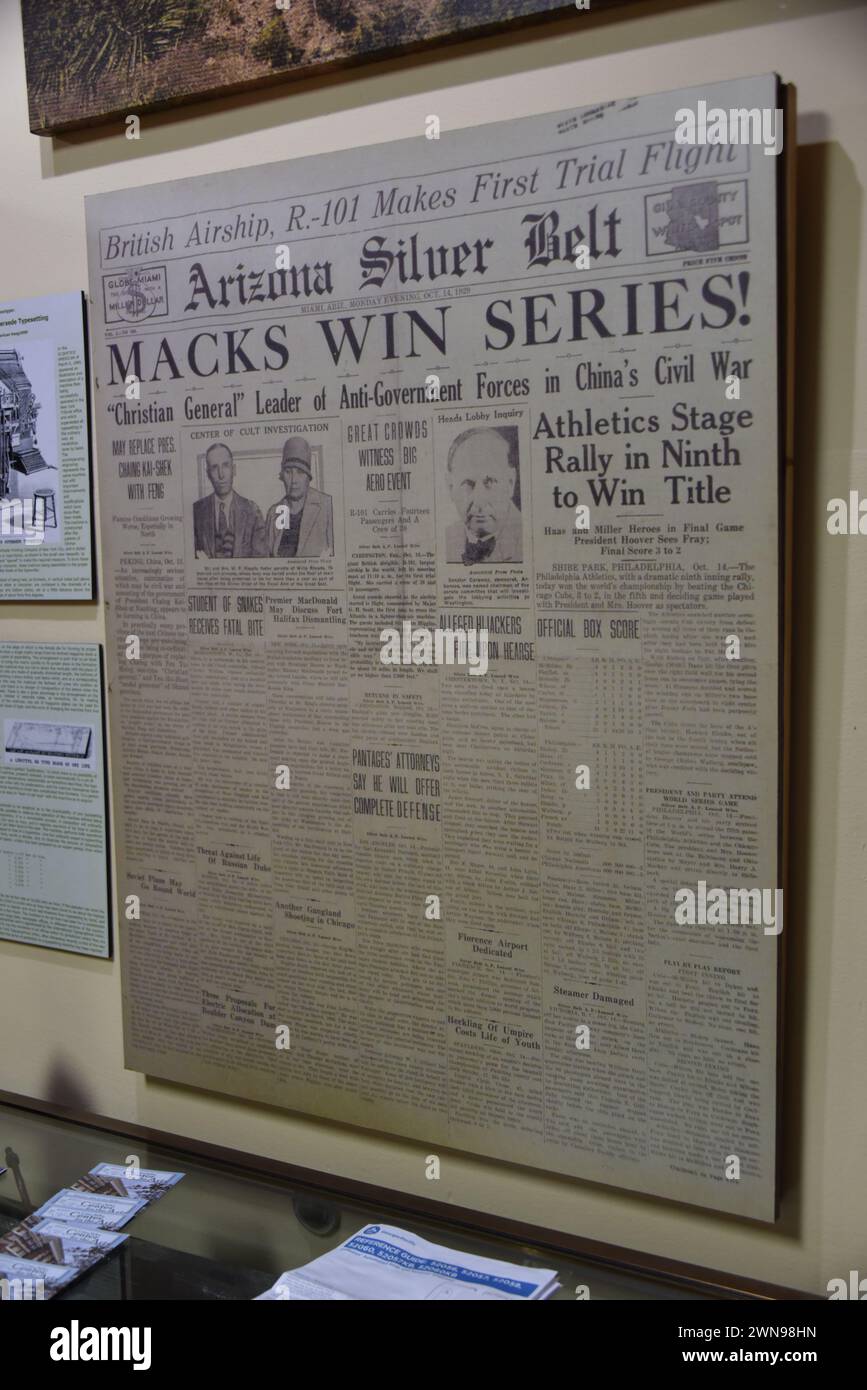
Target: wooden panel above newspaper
x,y
441,515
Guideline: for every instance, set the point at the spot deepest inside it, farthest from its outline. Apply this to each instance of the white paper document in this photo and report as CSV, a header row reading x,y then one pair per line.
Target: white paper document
x,y
59,1243
46,548
81,1246
385,1262
110,1179
31,1280
53,812
88,1209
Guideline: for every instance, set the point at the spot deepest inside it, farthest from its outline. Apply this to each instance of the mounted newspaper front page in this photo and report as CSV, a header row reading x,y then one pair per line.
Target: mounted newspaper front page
x,y
441,508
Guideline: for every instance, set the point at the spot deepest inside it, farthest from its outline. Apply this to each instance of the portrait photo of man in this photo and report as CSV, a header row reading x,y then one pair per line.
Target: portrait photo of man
x,y
484,486
301,524
227,526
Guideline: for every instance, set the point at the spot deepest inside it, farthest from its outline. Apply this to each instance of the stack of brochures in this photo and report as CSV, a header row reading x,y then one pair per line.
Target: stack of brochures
x,y
385,1262
75,1229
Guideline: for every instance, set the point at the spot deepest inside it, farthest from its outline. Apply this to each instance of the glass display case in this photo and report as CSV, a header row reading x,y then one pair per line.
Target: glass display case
x,y
235,1222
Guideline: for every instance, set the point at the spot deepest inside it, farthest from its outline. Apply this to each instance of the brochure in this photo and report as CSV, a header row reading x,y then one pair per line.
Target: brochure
x,y
386,1262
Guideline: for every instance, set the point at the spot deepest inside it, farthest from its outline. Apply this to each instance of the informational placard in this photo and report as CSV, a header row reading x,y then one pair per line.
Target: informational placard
x,y
46,547
53,835
441,514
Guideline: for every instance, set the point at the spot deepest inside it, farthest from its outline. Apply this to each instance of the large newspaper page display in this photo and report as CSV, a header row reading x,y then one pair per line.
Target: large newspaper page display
x,y
439,494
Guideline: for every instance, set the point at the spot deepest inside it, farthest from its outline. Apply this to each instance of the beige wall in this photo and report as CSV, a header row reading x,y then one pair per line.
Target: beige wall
x,y
60,1017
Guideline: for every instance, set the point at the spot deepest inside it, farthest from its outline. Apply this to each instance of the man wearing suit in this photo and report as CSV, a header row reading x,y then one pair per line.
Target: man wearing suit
x,y
227,526
482,477
302,522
